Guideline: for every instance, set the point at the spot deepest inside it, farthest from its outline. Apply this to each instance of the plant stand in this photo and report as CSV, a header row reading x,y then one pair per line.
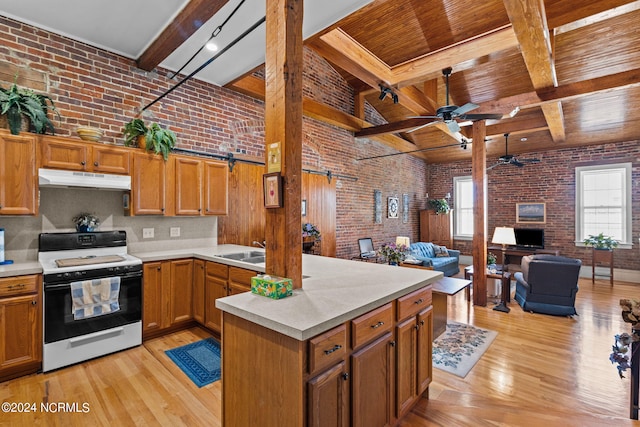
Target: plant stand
x,y
602,256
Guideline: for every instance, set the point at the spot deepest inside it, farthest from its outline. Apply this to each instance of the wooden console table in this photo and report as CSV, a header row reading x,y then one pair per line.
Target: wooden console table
x,y
514,255
602,256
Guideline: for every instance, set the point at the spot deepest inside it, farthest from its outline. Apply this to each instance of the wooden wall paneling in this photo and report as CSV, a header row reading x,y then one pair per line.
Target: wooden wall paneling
x,y
246,219
320,195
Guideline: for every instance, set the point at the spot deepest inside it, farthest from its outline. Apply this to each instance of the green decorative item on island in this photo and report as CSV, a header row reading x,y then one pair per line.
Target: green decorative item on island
x,y
439,205
271,286
86,222
393,253
601,241
156,138
16,103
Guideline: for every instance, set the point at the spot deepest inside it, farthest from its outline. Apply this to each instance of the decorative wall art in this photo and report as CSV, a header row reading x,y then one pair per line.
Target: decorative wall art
x,y
377,206
531,213
272,183
392,207
304,207
405,208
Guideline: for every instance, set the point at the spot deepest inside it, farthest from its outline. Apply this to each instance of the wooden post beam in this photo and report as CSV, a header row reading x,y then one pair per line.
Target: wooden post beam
x,y
283,126
479,250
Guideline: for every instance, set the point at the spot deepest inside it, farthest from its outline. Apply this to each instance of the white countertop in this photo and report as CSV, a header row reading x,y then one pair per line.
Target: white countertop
x,y
333,292
20,269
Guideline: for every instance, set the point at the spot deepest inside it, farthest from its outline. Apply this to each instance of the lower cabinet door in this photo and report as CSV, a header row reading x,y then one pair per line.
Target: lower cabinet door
x,y
328,398
20,333
372,389
406,335
425,348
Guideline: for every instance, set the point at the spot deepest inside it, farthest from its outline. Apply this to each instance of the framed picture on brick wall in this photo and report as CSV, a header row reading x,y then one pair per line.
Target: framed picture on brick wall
x,y
531,213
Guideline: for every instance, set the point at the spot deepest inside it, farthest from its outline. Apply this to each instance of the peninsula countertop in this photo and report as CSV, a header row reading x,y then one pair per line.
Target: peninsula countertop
x,y
333,291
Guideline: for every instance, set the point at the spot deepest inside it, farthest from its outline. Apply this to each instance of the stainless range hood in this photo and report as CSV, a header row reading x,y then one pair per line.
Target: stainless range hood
x,y
67,179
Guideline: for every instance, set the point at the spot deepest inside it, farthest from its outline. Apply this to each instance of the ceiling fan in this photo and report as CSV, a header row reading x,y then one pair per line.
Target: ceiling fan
x,y
510,159
449,114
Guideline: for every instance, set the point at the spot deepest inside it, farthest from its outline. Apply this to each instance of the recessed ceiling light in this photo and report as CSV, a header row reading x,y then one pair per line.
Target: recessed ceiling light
x,y
212,46
523,139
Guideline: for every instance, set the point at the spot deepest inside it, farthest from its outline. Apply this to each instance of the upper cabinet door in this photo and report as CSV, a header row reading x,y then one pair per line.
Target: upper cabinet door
x,y
216,184
109,159
188,182
148,184
18,174
60,154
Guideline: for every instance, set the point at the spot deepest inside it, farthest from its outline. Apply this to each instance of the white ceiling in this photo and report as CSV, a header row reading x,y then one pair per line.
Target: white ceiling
x,y
128,27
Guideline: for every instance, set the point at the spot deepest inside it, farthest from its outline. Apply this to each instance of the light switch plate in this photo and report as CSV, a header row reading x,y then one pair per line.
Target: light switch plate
x,y
174,232
147,233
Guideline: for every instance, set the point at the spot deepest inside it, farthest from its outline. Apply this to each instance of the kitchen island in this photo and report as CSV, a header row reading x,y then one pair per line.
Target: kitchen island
x,y
352,347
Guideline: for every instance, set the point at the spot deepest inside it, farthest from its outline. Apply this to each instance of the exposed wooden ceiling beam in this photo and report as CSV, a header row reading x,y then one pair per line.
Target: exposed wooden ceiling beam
x,y
529,24
188,21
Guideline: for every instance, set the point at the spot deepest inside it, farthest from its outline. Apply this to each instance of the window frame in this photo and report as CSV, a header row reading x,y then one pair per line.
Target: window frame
x,y
627,243
458,209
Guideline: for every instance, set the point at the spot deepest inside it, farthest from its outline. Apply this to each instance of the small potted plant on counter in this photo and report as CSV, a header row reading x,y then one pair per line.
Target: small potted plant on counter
x,y
152,137
86,222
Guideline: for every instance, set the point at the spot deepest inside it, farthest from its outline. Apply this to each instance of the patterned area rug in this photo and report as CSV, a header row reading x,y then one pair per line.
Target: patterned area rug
x,y
199,360
460,347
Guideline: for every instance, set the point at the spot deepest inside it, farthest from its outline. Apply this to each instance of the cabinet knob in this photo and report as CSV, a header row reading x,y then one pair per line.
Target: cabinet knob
x,y
422,323
416,327
82,163
34,302
345,376
420,301
95,163
392,343
377,325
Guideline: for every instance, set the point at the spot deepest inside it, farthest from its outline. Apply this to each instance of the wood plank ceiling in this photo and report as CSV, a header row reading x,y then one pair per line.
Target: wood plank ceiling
x,y
571,68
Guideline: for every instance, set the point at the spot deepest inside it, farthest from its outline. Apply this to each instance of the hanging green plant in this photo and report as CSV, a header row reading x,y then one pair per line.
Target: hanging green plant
x,y
156,139
16,103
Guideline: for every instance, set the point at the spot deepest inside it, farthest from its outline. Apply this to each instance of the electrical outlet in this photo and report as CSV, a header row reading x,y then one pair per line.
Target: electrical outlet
x,y
174,232
147,233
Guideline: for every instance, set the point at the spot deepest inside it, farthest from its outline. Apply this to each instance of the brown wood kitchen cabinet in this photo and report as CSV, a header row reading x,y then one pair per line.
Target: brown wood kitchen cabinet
x,y
18,175
436,228
353,374
69,154
218,281
414,345
20,325
148,184
200,186
168,296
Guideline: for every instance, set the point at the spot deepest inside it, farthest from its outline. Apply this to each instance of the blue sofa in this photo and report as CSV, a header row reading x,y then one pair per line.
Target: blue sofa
x,y
425,252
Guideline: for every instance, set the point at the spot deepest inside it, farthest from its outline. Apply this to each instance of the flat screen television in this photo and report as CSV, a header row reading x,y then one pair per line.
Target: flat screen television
x,y
529,238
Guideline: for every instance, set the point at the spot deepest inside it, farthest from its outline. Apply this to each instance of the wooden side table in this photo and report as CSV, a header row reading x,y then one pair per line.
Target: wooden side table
x,y
602,256
505,277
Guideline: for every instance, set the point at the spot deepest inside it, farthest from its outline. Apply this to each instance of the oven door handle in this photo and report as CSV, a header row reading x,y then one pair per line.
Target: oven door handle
x,y
93,336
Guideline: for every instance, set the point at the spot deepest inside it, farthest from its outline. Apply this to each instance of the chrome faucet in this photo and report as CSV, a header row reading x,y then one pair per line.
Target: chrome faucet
x,y
263,245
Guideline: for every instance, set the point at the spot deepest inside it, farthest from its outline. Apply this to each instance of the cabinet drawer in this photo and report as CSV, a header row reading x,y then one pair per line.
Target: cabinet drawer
x,y
18,285
241,276
327,348
217,270
372,325
416,301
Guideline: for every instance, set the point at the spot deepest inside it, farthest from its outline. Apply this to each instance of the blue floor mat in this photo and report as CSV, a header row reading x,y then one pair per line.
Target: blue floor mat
x,y
199,360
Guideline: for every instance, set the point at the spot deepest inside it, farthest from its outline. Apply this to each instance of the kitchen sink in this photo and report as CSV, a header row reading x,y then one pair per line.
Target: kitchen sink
x,y
253,257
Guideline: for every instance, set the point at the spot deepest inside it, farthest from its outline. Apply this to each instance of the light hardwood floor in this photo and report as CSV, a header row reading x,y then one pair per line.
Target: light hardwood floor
x,y
540,371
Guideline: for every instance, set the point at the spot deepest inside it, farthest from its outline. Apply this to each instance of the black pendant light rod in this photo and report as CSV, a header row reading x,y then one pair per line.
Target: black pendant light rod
x,y
213,34
463,145
209,61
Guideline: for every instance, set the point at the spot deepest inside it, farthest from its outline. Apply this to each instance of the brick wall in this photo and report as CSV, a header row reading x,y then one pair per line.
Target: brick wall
x,y
93,87
552,181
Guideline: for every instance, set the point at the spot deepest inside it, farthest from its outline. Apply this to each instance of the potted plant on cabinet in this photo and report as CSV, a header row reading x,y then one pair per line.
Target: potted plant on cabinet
x,y
439,205
152,138
16,103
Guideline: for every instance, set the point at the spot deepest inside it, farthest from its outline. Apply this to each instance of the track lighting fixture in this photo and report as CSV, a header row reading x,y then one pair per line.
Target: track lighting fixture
x,y
386,90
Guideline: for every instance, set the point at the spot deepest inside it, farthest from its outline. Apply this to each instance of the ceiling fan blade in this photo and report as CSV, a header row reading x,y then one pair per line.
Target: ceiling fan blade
x,y
493,166
453,126
424,125
516,162
534,160
466,107
481,117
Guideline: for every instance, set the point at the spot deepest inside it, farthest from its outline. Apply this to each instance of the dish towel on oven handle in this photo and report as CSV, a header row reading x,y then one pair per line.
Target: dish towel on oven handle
x,y
95,297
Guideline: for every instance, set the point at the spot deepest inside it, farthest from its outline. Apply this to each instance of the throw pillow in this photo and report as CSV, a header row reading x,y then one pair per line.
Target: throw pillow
x,y
440,251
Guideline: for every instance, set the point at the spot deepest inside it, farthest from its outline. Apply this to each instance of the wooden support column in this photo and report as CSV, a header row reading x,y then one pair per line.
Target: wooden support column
x,y
479,177
283,126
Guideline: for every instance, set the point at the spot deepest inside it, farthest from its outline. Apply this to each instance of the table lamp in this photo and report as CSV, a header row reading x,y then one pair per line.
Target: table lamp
x,y
503,236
